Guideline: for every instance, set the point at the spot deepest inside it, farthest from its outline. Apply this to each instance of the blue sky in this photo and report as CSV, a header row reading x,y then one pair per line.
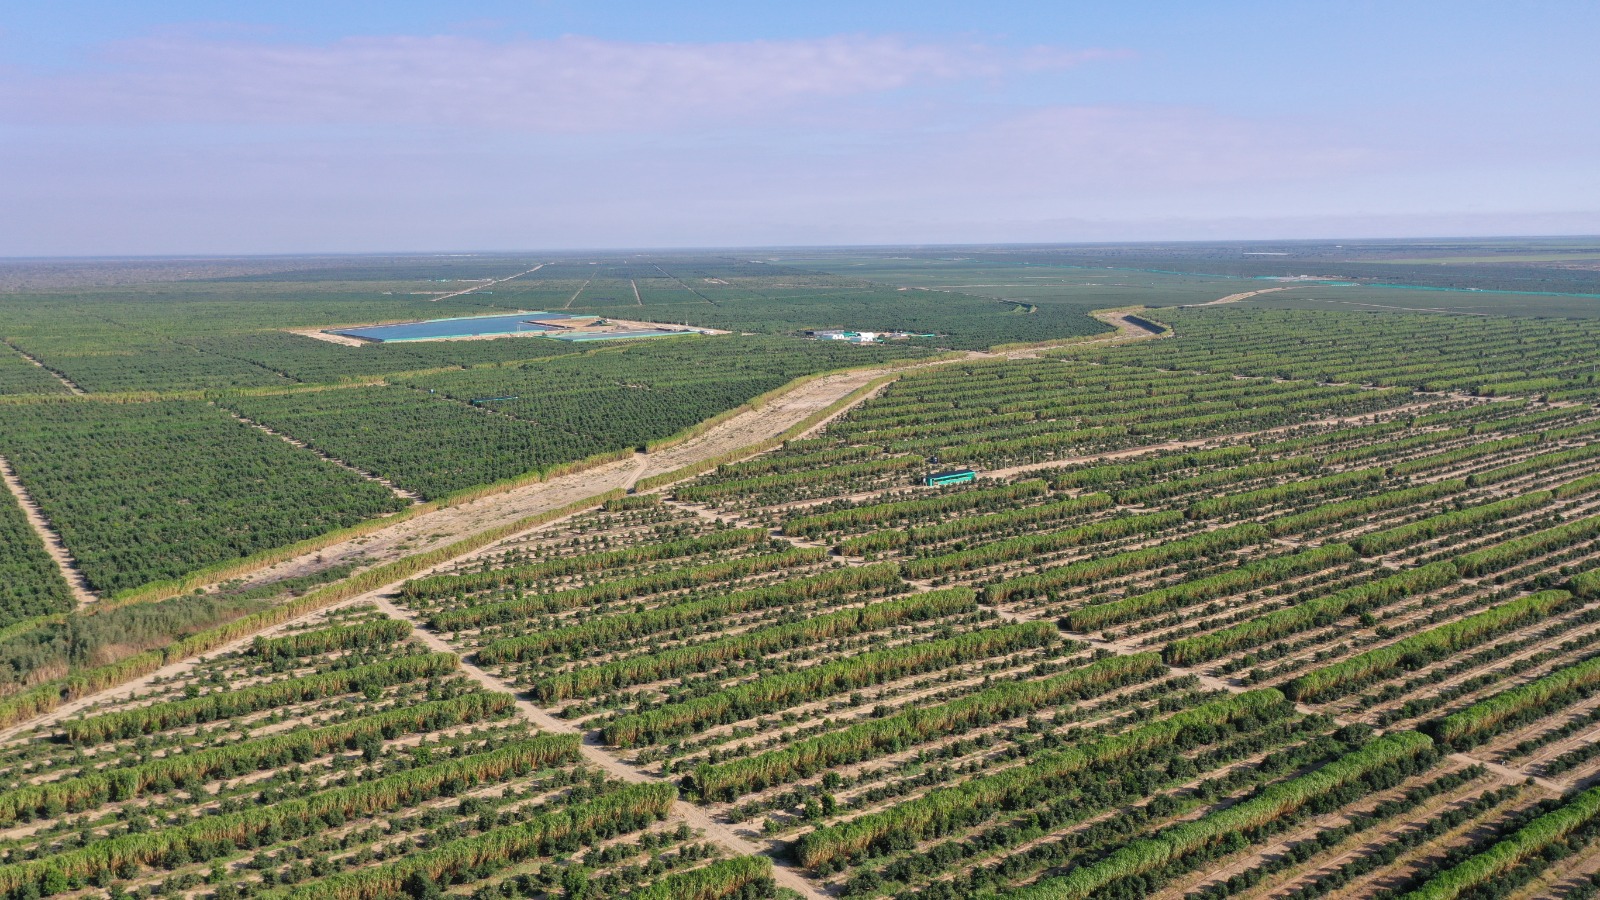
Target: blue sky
x,y
188,127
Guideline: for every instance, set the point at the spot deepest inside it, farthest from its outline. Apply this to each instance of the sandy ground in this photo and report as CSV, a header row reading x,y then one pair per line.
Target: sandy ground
x,y
52,540
340,339
1235,298
446,525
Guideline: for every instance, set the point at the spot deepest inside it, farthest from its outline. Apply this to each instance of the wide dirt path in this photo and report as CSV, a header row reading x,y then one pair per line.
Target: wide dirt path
x,y
444,526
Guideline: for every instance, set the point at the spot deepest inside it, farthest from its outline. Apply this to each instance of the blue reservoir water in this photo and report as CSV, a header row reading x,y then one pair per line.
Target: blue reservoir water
x,y
464,326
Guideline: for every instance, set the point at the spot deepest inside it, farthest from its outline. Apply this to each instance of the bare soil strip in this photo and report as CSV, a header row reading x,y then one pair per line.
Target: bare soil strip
x,y
342,340
57,375
52,540
1235,298
448,524
575,294
486,284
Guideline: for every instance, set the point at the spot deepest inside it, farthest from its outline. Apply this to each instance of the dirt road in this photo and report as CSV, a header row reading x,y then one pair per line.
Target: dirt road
x,y
52,540
486,284
1246,295
444,526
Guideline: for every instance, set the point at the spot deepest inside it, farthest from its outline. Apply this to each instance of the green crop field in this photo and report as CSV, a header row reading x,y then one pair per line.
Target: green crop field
x,y
1151,566
402,774
144,491
1291,597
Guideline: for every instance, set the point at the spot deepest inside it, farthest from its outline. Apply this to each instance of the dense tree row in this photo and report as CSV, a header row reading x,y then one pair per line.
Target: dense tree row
x,y
426,445
1252,501
1379,761
1033,545
1343,511
717,490
604,630
230,703
1508,553
1377,543
623,588
1308,614
1252,574
1493,355
777,692
1533,700
1425,647
741,877
752,644
446,585
857,517
217,834
1141,469
1088,571
31,584
1006,520
360,636
625,810
917,724
990,794
1525,844
19,376
1533,465
166,772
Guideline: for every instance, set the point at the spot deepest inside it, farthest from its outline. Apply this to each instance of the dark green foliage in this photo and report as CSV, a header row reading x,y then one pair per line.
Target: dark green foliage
x,y
30,582
144,491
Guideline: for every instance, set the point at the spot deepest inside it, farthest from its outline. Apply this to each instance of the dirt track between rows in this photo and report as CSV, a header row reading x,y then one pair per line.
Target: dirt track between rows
x,y
596,755
52,540
1246,295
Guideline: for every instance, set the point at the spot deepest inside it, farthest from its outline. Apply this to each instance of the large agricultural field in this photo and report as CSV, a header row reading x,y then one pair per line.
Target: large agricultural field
x,y
1241,636
1258,599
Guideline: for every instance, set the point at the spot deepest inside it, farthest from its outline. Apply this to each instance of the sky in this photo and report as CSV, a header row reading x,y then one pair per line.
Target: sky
x,y
186,127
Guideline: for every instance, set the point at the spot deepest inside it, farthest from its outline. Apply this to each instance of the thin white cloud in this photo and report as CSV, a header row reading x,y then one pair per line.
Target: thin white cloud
x,y
1083,148
571,84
